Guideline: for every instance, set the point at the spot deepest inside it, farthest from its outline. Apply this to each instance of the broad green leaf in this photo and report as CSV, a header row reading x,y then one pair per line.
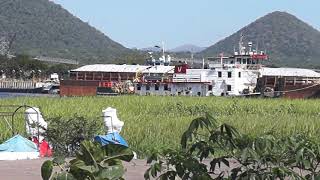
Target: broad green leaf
x,y
64,176
58,160
111,173
80,165
87,151
115,151
46,170
153,157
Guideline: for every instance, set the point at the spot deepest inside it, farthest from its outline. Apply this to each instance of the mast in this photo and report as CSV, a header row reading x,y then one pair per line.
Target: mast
x,y
163,49
202,63
221,58
241,47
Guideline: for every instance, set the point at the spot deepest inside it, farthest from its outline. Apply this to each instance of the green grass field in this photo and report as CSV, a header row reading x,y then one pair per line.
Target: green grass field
x,y
158,122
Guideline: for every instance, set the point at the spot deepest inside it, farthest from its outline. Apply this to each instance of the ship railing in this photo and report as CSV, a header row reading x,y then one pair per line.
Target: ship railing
x,y
215,65
254,66
187,78
17,84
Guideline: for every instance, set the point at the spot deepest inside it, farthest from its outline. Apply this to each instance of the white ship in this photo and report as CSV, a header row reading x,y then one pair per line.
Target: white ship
x,y
241,74
234,76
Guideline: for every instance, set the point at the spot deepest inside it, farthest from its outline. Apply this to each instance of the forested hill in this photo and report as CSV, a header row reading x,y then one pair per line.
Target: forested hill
x,y
46,29
288,40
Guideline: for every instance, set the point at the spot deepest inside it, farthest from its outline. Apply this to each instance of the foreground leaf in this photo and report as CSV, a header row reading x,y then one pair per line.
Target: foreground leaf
x,y
46,170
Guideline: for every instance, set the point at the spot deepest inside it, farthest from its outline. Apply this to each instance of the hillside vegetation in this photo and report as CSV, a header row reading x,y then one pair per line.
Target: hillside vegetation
x,y
288,40
46,29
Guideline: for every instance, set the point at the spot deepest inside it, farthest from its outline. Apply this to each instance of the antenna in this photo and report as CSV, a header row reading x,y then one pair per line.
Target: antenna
x,y
163,49
257,49
221,58
202,63
250,46
241,47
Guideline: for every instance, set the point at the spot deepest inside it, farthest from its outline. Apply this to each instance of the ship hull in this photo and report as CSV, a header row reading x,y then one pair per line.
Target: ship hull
x,y
282,87
310,91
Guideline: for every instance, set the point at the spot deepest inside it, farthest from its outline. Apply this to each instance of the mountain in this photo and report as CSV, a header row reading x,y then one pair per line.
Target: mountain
x,y
288,40
151,49
188,48
43,28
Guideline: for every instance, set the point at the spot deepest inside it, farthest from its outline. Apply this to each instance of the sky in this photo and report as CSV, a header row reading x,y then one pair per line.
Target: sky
x,y
145,23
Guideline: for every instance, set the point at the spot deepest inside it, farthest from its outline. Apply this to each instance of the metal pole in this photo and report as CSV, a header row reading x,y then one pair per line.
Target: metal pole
x,y
12,124
38,130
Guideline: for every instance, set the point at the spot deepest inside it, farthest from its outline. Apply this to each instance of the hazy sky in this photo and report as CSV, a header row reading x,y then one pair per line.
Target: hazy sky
x,y
145,23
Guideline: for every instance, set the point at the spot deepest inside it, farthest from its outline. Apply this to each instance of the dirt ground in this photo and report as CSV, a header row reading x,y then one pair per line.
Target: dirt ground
x,y
30,169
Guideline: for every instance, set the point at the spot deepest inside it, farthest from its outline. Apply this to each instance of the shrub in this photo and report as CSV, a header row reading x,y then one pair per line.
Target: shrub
x,y
266,157
65,135
92,161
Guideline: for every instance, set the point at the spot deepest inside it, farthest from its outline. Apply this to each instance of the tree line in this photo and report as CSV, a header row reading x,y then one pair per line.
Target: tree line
x,y
25,67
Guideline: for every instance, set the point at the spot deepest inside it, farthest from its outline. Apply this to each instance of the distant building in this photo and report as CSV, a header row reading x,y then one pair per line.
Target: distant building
x,y
87,80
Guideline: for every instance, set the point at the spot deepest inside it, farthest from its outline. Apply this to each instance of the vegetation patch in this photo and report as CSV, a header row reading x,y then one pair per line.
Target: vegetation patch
x,y
155,123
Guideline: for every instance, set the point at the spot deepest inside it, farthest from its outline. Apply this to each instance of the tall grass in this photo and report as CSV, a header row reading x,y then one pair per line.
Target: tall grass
x,y
153,123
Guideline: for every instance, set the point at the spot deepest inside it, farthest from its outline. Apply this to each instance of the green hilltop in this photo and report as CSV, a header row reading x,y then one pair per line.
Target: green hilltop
x,y
44,28
288,41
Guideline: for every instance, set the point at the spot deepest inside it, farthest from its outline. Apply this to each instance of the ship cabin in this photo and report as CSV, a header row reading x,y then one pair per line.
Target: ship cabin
x,y
233,76
184,82
236,75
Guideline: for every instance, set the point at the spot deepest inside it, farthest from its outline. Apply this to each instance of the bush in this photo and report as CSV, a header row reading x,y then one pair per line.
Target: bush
x,y
65,135
265,157
92,161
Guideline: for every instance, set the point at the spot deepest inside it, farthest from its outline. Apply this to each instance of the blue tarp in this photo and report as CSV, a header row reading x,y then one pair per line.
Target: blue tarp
x,y
18,144
111,138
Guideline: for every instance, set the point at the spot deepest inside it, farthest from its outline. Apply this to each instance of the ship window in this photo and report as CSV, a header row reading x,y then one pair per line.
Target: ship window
x,y
73,75
229,74
239,60
228,87
166,88
148,87
244,61
138,87
156,87
210,87
239,74
219,74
